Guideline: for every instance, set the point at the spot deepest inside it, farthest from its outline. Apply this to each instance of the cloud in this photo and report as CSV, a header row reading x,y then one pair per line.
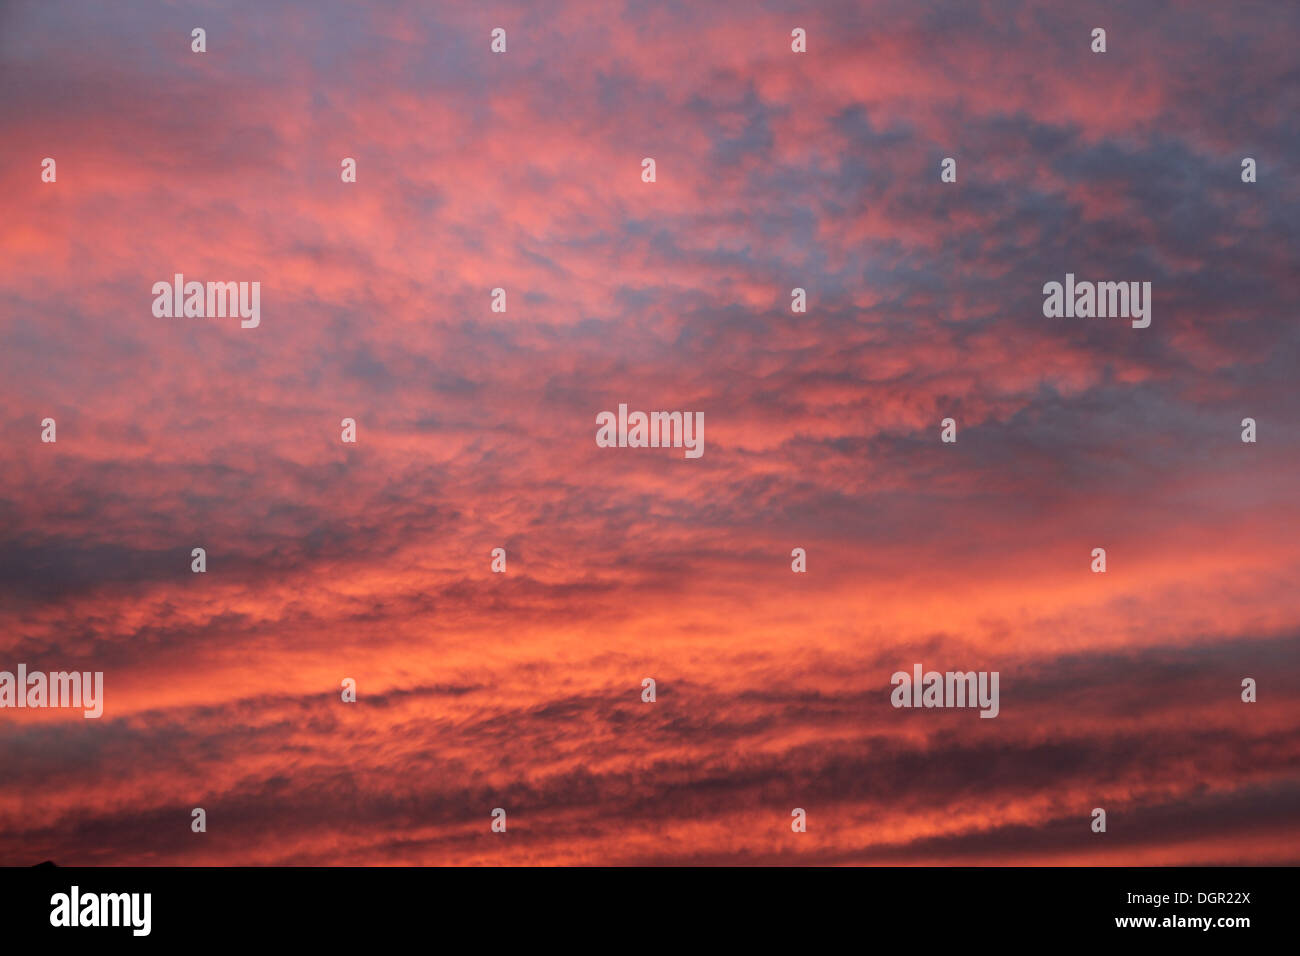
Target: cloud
x,y
475,431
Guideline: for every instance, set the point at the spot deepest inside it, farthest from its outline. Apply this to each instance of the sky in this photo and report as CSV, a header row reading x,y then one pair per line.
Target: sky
x,y
522,690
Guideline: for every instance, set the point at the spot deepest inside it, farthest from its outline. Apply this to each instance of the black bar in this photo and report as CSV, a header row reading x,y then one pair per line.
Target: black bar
x,y
636,909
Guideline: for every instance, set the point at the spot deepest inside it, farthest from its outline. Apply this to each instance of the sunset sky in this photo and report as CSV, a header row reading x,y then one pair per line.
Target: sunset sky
x,y
475,430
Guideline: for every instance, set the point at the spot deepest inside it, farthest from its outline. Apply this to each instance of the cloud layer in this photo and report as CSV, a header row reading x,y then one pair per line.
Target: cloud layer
x,y
475,431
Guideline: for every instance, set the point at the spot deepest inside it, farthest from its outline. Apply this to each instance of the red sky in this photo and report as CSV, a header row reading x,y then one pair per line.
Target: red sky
x,y
476,430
